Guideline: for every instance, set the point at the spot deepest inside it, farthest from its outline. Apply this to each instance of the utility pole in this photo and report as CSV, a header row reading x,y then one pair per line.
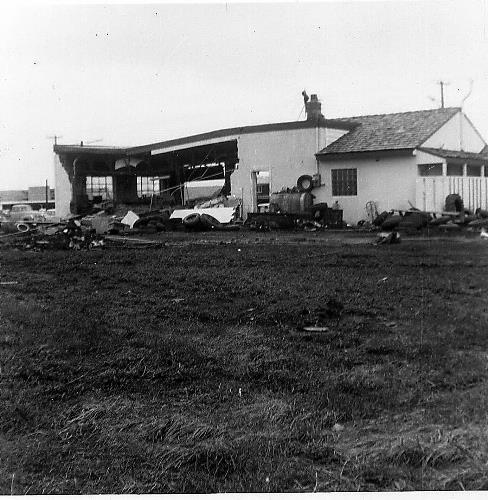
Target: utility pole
x,y
442,83
55,138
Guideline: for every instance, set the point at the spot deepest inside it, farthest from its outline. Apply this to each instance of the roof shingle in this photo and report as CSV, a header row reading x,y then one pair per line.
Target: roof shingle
x,y
390,131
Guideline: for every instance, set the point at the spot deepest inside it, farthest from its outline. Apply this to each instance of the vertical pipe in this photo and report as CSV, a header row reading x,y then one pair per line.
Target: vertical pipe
x,y
433,194
424,195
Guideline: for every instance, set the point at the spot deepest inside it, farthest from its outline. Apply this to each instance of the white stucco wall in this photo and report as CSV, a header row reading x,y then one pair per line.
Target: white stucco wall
x,y
286,154
389,182
449,136
63,188
423,158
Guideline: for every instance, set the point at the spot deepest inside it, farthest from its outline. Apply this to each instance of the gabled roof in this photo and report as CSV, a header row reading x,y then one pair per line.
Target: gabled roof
x,y
396,131
458,155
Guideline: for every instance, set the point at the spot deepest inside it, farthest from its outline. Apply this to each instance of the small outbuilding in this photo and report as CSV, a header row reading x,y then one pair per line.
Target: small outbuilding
x,y
395,160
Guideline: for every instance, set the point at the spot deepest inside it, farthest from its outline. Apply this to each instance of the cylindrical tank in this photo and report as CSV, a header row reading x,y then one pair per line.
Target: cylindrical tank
x,y
291,203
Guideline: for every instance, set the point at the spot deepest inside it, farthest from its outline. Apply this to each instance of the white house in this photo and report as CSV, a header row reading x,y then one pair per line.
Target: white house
x,y
418,157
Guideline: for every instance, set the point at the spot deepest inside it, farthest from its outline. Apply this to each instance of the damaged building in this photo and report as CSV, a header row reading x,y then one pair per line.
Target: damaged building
x,y
392,160
249,162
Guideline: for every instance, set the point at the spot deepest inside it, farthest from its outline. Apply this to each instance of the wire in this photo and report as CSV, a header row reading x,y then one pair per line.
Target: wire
x,y
301,111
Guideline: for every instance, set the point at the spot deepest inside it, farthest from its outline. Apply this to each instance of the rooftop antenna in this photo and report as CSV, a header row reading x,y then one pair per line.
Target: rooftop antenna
x,y
468,94
464,99
305,100
55,138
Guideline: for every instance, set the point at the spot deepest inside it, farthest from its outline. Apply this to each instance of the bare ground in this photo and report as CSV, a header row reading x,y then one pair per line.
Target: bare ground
x,y
185,368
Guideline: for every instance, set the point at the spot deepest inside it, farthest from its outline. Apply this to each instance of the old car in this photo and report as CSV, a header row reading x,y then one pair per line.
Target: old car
x,y
23,212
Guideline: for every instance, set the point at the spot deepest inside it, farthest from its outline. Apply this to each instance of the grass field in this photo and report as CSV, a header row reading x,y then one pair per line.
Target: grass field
x,y
186,368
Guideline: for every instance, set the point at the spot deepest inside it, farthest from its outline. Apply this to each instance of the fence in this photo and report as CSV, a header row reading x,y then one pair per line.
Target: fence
x,y
431,192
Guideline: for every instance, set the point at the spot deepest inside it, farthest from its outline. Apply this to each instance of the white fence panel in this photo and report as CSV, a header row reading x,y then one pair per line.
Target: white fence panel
x,y
431,192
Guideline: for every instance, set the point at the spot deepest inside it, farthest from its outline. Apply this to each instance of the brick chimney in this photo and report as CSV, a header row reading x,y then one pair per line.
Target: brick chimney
x,y
313,108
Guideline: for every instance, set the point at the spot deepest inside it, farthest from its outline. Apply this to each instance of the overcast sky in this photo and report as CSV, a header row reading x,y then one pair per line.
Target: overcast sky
x,y
135,74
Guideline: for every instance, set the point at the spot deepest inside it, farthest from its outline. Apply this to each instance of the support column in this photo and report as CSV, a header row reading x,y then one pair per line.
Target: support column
x,y
63,171
227,173
79,198
125,188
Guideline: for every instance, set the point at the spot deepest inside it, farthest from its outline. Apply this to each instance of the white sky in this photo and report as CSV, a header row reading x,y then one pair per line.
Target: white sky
x,y
135,74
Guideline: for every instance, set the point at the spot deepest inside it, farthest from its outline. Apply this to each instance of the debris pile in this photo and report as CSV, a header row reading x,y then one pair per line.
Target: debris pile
x,y
146,222
66,235
317,217
454,218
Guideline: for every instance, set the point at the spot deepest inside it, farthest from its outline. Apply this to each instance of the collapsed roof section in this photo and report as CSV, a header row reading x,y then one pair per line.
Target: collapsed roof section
x,y
213,136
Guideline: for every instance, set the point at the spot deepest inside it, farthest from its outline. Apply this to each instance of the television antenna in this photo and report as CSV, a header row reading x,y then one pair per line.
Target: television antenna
x,y
55,138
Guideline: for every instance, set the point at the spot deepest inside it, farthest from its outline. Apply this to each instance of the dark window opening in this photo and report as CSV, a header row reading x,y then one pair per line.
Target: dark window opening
x,y
344,182
430,169
454,169
473,171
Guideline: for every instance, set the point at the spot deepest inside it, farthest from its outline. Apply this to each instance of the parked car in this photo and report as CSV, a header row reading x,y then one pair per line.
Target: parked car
x,y
24,212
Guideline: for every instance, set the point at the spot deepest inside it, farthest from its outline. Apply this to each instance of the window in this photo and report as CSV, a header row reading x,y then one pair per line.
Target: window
x,y
262,186
99,187
430,169
146,186
344,182
454,169
473,171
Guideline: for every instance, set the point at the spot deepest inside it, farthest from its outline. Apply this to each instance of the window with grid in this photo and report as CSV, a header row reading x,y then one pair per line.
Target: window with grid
x,y
99,186
147,186
344,182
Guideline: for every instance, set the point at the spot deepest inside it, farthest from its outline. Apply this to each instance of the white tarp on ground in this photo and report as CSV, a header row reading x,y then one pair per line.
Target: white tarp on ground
x,y
224,215
130,219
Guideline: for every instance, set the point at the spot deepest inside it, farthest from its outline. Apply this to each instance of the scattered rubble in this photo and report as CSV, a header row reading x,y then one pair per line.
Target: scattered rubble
x,y
454,218
223,214
388,238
